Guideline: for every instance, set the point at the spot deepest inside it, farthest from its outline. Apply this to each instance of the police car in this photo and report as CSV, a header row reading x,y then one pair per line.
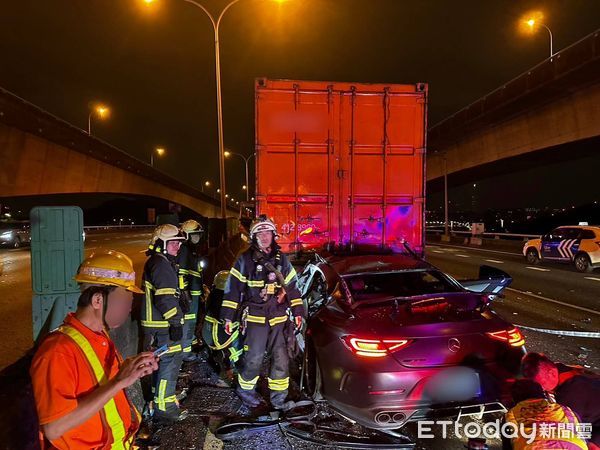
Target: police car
x,y
579,244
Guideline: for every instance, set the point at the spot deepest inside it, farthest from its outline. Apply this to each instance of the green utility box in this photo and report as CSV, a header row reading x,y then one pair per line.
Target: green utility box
x,y
56,252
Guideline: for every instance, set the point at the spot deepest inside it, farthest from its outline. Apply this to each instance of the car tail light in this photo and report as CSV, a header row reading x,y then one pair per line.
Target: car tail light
x,y
512,337
374,348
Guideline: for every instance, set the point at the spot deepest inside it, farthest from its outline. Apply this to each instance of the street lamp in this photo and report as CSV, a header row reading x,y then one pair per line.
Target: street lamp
x,y
246,161
536,19
160,151
102,111
216,25
205,184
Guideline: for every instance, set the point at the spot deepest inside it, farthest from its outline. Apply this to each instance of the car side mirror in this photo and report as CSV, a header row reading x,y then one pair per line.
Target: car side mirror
x,y
491,281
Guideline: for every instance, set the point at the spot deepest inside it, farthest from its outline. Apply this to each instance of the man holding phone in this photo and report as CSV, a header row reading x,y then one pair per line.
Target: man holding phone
x,y
78,376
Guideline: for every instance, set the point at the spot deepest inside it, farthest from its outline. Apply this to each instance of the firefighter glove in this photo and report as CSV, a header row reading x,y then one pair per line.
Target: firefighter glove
x,y
228,327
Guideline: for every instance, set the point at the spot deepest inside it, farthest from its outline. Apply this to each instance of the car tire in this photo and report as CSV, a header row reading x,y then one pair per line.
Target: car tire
x,y
312,374
532,256
582,263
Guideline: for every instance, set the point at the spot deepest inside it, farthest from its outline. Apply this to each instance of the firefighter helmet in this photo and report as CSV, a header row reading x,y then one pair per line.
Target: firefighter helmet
x,y
110,268
163,234
191,226
221,279
262,224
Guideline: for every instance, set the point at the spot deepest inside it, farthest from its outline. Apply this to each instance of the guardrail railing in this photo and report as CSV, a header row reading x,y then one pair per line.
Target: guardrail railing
x,y
492,235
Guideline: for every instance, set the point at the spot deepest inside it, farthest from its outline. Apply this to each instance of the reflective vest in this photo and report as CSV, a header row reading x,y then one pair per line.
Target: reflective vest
x,y
109,413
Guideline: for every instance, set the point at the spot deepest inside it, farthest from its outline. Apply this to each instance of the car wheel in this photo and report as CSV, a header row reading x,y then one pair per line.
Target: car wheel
x,y
532,256
582,263
312,374
17,243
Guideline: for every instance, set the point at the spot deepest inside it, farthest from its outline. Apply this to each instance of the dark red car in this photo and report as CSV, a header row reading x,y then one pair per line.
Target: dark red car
x,y
393,339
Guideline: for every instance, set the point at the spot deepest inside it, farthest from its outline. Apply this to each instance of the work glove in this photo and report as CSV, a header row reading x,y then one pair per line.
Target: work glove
x,y
298,321
176,332
228,327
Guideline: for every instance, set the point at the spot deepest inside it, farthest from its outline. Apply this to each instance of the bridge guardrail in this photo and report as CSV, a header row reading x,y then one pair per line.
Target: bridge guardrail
x,y
524,237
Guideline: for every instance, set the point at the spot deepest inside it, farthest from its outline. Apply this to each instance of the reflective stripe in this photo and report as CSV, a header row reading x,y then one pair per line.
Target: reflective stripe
x,y
279,385
170,313
160,399
229,304
296,302
155,323
187,349
195,274
148,287
247,385
235,354
256,319
256,283
215,335
194,341
182,282
276,320
183,271
211,319
236,273
190,317
165,291
196,292
113,419
290,276
174,349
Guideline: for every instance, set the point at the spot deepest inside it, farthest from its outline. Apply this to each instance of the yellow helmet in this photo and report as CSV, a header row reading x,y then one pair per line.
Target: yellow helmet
x,y
109,268
191,226
162,234
221,279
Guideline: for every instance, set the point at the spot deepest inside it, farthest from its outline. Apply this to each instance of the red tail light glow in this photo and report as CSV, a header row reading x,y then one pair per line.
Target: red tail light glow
x,y
512,337
374,348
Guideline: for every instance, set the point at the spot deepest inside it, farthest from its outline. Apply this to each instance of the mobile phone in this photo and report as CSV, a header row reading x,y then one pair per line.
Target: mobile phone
x,y
161,351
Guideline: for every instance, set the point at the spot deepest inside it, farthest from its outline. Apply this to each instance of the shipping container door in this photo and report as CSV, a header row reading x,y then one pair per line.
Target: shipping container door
x,y
293,168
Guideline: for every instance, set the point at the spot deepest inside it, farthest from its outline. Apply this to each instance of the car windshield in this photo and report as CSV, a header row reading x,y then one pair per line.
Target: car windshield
x,y
399,284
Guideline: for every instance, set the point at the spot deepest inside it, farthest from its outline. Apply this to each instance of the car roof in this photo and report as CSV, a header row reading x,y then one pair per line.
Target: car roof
x,y
582,227
352,265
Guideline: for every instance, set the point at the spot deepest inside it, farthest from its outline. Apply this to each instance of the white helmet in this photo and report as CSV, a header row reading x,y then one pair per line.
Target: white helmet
x,y
262,224
163,234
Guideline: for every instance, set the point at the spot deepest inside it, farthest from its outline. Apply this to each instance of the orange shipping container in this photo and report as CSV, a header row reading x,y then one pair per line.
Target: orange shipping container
x,y
341,162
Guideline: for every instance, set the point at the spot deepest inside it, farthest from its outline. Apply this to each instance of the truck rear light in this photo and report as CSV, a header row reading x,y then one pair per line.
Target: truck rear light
x,y
374,348
512,337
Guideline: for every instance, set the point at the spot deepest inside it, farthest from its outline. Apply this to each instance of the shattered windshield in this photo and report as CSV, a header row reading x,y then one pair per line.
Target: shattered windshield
x,y
399,284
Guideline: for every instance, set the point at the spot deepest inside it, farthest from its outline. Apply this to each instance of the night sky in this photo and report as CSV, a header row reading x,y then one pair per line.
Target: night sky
x,y
154,66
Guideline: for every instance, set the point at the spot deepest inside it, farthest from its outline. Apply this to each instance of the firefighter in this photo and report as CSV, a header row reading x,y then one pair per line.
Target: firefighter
x,y
213,332
190,265
261,289
162,319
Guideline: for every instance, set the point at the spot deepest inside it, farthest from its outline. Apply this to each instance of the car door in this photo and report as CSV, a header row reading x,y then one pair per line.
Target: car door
x,y
551,242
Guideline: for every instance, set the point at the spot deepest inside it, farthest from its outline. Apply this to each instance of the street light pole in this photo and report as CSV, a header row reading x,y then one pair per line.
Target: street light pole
x,y
216,24
246,162
551,45
445,196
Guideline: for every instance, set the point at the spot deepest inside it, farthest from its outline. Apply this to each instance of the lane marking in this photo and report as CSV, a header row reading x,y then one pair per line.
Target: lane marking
x,y
494,261
592,278
539,269
581,308
463,256
437,251
480,249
